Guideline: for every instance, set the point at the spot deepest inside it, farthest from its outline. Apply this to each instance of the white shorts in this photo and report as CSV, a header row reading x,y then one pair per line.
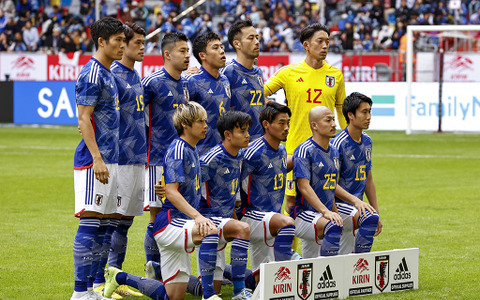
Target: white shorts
x,y
131,185
261,240
222,243
175,244
92,195
152,175
306,230
347,240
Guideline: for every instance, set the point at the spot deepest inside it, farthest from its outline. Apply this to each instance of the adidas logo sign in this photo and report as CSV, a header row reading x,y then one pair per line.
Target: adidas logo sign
x,y
270,166
326,281
402,271
320,164
193,165
352,157
170,93
244,81
210,91
128,86
227,171
300,79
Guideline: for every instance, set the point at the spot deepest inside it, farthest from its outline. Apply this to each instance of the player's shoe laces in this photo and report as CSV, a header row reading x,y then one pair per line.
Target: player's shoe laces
x,y
85,296
152,270
124,290
214,297
243,295
97,296
99,291
111,283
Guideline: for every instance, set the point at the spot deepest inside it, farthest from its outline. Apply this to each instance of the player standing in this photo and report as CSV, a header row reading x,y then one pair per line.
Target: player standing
x,y
210,88
96,157
246,79
307,84
315,169
263,189
179,226
221,168
356,177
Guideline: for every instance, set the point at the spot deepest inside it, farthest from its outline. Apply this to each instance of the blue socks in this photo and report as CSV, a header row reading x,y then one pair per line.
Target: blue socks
x,y
97,249
283,243
238,260
151,249
107,241
116,257
331,239
207,257
367,226
194,286
83,251
149,287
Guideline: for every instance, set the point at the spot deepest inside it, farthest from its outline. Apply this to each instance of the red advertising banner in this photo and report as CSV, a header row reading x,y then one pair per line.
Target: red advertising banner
x,y
362,67
66,67
271,63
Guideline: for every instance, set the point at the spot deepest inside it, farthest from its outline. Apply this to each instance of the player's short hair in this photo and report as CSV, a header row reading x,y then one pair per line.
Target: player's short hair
x,y
236,29
105,28
188,113
201,42
231,119
271,111
130,30
170,39
352,103
307,32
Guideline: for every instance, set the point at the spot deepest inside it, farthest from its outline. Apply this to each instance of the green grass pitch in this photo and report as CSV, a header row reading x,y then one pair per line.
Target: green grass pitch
x,y
428,188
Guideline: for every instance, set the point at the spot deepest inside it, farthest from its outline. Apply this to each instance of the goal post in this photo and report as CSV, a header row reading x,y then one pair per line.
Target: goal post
x,y
411,29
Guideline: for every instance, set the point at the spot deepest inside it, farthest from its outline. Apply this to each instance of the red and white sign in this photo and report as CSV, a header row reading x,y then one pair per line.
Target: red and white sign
x,y
26,67
65,67
461,68
362,67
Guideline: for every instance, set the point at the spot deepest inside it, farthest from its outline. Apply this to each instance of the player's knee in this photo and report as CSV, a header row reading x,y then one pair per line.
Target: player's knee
x,y
287,221
211,230
243,230
371,220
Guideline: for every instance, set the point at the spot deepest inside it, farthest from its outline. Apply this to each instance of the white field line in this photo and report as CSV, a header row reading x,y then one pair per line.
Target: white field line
x,y
37,147
423,156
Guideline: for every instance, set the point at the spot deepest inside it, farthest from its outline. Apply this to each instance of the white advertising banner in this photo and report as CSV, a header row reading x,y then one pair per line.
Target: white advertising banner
x,y
23,66
340,276
461,67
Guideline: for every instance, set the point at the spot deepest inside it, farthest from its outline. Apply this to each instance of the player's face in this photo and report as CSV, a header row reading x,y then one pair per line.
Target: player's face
x,y
362,116
240,137
278,129
215,55
180,56
135,48
198,130
115,46
325,125
318,45
249,42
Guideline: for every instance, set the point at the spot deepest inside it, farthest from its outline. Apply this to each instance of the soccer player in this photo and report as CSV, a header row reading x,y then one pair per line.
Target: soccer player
x,y
96,157
221,175
179,226
309,83
165,90
356,178
315,169
246,79
210,88
263,189
131,160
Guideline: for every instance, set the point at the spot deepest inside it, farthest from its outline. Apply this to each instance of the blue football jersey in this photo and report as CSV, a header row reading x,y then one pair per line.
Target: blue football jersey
x,y
132,135
163,94
220,176
215,96
263,177
96,87
247,93
182,165
320,166
355,162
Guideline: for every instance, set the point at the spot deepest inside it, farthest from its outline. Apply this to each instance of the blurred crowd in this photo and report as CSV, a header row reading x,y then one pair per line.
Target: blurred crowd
x,y
54,26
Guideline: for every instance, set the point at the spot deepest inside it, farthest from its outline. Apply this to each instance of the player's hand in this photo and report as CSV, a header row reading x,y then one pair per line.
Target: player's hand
x,y
160,190
363,207
379,228
101,171
203,225
334,218
192,71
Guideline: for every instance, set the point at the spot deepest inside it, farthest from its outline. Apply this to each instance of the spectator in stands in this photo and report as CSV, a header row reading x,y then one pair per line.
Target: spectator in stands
x,y
4,44
52,39
125,14
167,8
140,14
377,15
229,6
11,28
17,45
8,7
207,24
384,39
24,5
347,37
475,17
86,43
3,21
108,8
30,36
367,41
397,34
56,15
403,12
66,44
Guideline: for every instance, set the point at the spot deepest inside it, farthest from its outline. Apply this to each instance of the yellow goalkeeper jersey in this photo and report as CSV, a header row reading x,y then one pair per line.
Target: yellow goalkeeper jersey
x,y
306,87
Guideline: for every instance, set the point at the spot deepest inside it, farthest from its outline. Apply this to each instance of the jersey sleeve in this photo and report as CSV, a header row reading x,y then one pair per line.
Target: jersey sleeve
x,y
87,93
148,92
173,171
248,166
339,98
302,166
192,91
276,82
208,170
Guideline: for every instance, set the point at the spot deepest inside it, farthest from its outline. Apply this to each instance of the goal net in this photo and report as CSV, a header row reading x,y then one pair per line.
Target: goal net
x,y
442,73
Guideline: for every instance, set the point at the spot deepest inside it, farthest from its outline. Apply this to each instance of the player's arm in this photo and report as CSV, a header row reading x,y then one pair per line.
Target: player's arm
x,y
289,164
362,206
371,193
276,82
174,196
86,128
308,193
339,98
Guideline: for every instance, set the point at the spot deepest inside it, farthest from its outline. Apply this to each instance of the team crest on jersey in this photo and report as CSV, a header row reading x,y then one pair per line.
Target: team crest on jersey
x,y
119,201
330,81
336,161
186,94
381,271
304,280
98,199
290,184
260,80
368,153
227,90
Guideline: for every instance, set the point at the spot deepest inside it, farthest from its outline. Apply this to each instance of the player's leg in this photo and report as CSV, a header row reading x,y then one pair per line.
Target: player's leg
x,y
367,225
116,277
152,175
290,193
283,228
347,240
330,233
306,230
